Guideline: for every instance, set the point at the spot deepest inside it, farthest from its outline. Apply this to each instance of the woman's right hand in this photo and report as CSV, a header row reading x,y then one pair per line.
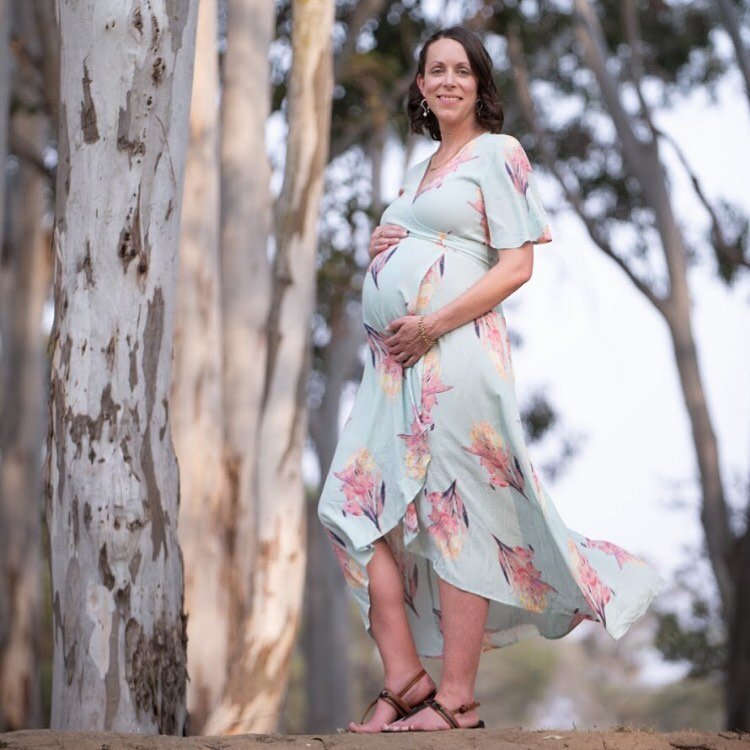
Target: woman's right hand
x,y
385,236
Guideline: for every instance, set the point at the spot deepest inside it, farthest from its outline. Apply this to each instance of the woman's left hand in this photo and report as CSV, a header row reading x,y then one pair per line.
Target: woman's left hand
x,y
405,343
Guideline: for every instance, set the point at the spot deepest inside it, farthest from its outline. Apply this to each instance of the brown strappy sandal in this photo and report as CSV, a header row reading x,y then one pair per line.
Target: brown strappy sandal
x,y
396,700
445,713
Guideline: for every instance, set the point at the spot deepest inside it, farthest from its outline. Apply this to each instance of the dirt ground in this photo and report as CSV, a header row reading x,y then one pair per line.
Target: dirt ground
x,y
503,739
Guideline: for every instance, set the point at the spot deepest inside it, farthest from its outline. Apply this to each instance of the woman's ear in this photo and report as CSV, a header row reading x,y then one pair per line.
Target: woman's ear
x,y
420,84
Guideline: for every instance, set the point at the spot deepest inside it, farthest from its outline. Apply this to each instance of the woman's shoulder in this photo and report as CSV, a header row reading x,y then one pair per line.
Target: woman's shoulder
x,y
500,142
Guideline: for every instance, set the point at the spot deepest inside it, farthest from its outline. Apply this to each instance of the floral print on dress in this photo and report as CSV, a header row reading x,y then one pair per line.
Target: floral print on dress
x,y
417,445
621,556
376,266
427,287
450,521
354,573
492,331
478,205
389,369
439,175
579,617
503,467
518,167
525,578
475,432
407,566
411,522
363,487
594,590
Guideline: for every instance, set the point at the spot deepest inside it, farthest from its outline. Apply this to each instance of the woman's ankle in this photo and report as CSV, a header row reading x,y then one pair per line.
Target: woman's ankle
x,y
453,696
400,677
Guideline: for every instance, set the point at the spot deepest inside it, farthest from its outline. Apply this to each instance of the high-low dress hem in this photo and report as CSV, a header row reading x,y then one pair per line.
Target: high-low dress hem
x,y
433,458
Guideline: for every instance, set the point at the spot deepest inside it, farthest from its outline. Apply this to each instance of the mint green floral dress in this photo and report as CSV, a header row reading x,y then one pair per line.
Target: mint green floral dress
x,y
433,457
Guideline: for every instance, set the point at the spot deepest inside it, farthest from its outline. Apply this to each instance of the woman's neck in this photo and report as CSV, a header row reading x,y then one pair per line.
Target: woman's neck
x,y
457,136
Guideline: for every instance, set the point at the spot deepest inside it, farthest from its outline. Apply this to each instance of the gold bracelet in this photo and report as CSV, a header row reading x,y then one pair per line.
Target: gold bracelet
x,y
430,342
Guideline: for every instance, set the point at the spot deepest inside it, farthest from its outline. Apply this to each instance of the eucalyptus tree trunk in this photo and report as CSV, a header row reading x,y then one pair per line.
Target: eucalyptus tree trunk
x,y
197,421
246,281
253,699
326,621
112,484
24,283
5,610
641,155
738,670
4,105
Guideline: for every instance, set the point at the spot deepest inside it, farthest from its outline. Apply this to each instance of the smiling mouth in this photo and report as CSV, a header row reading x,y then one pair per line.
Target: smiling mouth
x,y
449,98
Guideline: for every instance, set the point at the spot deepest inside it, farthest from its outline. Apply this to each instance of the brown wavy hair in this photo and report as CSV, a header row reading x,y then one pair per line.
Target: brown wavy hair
x,y
490,114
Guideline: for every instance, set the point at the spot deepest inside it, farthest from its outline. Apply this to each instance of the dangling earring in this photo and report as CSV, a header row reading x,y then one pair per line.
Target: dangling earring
x,y
480,106
425,108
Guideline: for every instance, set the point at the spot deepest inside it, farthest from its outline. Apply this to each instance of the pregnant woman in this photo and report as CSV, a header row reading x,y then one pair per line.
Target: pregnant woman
x,y
443,529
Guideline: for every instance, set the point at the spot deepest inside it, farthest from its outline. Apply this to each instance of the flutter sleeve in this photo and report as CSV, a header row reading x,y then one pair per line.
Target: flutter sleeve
x,y
513,206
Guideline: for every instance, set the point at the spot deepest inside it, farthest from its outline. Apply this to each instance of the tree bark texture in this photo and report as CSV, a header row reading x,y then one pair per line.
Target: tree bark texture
x,y
4,105
644,162
326,632
738,668
246,278
24,284
112,483
252,701
197,421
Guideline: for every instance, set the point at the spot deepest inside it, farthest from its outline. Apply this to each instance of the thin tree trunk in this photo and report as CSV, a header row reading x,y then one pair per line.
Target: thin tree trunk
x,y
4,106
738,677
246,281
326,621
733,27
112,483
255,691
197,420
643,161
24,283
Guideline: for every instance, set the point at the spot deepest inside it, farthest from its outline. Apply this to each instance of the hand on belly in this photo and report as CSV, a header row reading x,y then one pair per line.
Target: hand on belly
x,y
406,343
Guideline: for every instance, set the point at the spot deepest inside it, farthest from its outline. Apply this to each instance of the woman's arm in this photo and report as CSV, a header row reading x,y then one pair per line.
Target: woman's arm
x,y
512,271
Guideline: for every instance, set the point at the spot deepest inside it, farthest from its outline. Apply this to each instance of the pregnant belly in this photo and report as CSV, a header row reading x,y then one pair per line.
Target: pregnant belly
x,y
414,277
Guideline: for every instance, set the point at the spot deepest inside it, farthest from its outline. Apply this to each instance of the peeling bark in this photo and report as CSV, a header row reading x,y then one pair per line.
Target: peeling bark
x,y
245,279
252,701
112,485
197,421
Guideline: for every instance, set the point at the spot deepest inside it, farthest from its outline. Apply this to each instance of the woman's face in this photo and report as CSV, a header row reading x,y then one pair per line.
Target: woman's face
x,y
448,84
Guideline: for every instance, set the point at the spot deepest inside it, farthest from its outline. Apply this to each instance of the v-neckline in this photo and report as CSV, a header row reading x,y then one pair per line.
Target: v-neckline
x,y
420,187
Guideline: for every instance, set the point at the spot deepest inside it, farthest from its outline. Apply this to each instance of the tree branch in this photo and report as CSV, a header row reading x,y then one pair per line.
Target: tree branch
x,y
361,126
589,33
732,254
733,27
572,195
635,42
363,12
